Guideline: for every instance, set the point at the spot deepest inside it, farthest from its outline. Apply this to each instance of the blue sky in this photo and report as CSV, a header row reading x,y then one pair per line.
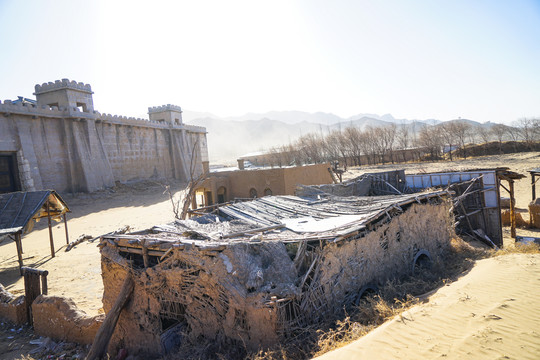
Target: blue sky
x,y
414,59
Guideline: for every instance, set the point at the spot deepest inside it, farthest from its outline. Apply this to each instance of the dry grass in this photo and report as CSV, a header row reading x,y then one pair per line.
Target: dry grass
x,y
393,299
519,248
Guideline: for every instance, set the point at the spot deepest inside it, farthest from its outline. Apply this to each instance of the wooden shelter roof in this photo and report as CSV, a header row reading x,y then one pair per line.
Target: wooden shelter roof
x,y
272,218
18,209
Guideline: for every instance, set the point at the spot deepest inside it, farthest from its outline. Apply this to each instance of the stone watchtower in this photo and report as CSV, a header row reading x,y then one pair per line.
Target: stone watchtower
x,y
66,94
171,114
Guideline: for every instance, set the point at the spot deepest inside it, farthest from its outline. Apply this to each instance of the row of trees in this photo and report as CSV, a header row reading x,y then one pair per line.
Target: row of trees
x,y
398,143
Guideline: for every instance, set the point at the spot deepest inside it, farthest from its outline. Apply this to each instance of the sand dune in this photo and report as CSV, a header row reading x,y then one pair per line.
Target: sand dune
x,y
491,313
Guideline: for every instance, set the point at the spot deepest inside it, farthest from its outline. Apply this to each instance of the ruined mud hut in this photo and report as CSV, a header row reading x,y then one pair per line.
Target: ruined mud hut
x,y
253,273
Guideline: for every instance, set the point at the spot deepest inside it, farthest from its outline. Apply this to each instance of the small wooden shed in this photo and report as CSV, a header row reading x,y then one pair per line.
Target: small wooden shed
x,y
20,210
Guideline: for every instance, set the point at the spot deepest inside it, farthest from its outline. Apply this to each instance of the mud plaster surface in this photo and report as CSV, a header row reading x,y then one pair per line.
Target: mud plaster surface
x,y
384,253
220,295
58,318
225,296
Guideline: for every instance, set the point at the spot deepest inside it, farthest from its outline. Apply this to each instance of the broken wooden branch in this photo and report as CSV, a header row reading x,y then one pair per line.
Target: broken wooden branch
x,y
103,336
79,240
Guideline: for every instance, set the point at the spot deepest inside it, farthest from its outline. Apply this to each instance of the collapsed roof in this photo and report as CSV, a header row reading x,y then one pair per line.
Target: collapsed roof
x,y
275,218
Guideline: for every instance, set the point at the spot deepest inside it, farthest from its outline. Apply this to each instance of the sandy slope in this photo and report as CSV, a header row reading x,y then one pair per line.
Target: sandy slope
x,y
491,313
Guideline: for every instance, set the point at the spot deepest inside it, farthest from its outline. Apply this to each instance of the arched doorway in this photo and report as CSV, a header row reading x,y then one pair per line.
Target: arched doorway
x,y
252,193
222,195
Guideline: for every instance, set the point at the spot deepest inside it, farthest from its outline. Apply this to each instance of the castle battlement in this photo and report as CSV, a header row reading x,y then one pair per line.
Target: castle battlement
x,y
62,84
44,133
9,107
162,108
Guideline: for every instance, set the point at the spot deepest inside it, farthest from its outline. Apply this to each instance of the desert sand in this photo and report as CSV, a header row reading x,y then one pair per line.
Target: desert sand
x,y
77,274
491,312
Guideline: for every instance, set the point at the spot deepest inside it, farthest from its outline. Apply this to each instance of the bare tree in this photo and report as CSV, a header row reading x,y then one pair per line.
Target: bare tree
x,y
484,133
499,131
181,205
373,145
529,129
515,134
448,134
275,156
388,140
430,138
462,130
403,140
354,140
289,154
331,145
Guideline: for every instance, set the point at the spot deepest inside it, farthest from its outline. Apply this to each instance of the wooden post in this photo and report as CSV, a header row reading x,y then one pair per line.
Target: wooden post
x,y
44,286
31,287
50,228
512,210
65,226
19,251
31,291
533,183
103,336
146,259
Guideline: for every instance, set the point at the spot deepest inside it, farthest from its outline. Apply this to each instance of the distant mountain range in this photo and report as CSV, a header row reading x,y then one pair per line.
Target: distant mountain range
x,y
295,117
232,137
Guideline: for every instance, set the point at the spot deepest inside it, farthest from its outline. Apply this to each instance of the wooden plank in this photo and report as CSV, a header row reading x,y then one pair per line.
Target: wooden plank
x,y
31,291
144,250
50,228
18,245
512,210
103,336
166,253
140,252
250,231
66,227
44,286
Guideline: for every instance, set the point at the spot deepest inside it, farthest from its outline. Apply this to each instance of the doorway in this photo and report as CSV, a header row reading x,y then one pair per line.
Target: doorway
x,y
9,179
222,195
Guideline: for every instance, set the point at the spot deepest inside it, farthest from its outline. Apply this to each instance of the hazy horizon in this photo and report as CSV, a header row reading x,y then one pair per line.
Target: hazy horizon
x,y
414,60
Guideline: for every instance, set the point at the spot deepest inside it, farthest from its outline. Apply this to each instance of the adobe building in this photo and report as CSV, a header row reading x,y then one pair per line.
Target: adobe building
x,y
58,141
223,186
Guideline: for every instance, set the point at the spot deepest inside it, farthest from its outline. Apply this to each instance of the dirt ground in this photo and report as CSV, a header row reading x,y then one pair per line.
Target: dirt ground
x,y
77,273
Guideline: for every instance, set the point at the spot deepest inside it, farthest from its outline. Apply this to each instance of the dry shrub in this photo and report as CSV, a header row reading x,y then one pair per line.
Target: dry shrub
x,y
394,297
519,248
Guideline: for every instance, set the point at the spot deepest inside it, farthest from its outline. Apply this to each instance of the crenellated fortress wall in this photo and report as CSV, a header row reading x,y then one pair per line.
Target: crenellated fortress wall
x,y
60,142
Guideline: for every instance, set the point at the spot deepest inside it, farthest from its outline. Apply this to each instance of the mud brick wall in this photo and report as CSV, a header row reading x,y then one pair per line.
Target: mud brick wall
x,y
254,294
